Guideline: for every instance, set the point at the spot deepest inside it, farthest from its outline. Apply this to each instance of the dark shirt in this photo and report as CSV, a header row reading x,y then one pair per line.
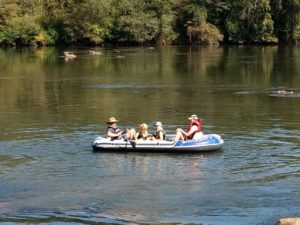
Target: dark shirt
x,y
114,130
156,134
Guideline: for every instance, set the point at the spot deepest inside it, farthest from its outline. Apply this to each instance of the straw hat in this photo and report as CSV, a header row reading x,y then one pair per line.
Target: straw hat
x,y
193,117
112,120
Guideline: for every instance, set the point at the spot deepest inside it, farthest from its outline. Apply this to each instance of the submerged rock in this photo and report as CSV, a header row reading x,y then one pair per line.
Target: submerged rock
x,y
283,92
69,55
95,53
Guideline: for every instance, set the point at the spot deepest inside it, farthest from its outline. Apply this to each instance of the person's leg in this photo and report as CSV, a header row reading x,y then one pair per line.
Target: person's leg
x,y
131,134
179,135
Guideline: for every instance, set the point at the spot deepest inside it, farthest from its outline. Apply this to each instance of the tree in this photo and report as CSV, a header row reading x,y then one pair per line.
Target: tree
x,y
193,26
257,15
287,19
132,24
217,11
8,10
20,24
250,21
165,14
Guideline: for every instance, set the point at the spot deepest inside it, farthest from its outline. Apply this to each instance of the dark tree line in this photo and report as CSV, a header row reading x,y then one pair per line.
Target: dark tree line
x,y
51,22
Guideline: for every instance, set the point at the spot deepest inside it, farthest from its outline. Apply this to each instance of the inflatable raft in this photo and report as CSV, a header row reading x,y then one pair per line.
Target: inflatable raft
x,y
209,142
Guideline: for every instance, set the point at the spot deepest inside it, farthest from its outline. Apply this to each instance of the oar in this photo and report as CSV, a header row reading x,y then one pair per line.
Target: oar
x,y
133,143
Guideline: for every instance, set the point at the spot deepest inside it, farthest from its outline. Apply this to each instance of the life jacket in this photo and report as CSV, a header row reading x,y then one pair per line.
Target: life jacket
x,y
199,128
115,130
143,136
156,134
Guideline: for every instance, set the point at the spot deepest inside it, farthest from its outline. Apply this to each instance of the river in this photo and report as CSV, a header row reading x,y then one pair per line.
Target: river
x,y
51,109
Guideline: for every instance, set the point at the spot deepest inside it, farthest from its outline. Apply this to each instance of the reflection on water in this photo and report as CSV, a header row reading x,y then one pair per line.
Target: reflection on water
x,y
13,162
52,109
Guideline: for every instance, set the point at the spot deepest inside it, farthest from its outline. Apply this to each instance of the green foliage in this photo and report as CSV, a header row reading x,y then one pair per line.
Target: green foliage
x,y
137,28
94,34
8,10
45,37
37,22
296,32
26,29
259,21
193,25
250,21
8,36
165,14
235,30
166,33
286,19
131,24
217,12
263,29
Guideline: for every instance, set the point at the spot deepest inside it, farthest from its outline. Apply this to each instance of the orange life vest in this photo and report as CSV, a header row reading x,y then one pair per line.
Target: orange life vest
x,y
199,127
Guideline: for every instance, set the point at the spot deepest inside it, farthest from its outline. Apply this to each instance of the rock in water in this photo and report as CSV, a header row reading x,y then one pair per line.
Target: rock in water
x,y
288,221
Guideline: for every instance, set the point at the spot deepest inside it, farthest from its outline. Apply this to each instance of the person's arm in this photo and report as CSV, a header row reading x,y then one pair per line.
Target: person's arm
x,y
193,129
112,135
161,135
136,135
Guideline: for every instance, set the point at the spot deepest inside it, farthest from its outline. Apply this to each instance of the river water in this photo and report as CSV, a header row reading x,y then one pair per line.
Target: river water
x,y
51,110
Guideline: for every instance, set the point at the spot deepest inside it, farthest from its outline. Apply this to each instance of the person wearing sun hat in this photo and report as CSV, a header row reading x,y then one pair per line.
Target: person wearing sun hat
x,y
159,133
114,132
194,131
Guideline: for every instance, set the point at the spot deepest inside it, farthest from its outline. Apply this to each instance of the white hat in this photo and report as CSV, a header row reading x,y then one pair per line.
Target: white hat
x,y
158,124
193,117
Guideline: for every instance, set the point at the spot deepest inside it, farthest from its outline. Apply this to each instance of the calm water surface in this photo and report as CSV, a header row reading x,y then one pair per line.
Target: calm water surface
x,y
52,109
